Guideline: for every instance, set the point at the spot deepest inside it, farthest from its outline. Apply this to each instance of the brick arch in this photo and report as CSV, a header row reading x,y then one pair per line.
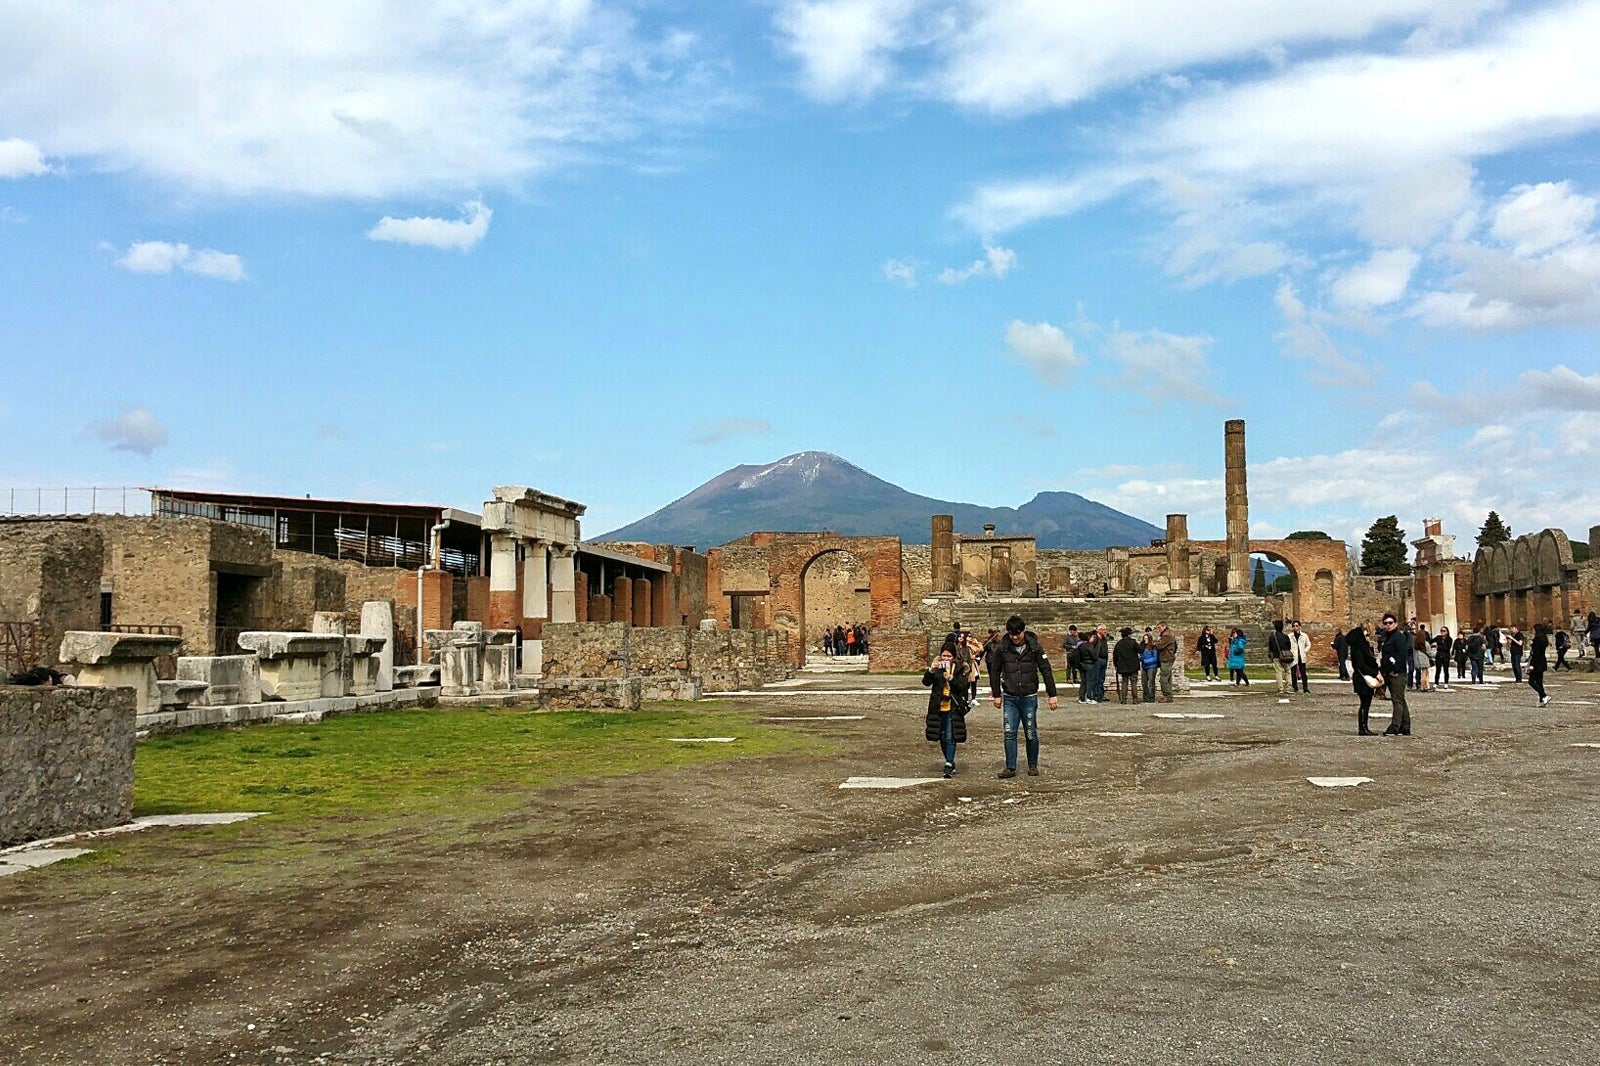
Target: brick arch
x,y
790,555
1522,563
1307,560
1552,558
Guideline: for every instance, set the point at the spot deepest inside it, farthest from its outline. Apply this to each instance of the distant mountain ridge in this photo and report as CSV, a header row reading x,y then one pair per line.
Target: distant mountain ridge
x,y
819,490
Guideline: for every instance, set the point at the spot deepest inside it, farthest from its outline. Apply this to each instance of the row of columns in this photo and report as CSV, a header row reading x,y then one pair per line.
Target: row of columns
x,y
547,580
1525,607
637,601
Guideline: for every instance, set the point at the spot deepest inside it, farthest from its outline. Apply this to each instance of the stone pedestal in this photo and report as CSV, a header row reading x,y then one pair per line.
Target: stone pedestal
x,y
362,666
119,660
474,661
563,574
229,679
377,620
176,695
946,576
297,666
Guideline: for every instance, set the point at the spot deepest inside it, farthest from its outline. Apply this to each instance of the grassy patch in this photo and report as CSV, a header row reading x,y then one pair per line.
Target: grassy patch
x,y
424,762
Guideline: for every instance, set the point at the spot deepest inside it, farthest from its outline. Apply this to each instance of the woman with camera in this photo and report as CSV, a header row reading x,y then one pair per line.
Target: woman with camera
x,y
948,681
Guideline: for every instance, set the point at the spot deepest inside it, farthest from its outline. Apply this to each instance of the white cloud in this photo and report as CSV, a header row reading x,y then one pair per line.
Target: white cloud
x,y
1162,365
1378,282
135,430
163,257
20,159
733,427
845,46
448,234
366,99
1304,337
1538,218
996,263
901,271
1046,349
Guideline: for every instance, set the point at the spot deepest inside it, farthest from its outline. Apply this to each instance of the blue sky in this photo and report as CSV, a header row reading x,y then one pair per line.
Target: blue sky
x,y
408,251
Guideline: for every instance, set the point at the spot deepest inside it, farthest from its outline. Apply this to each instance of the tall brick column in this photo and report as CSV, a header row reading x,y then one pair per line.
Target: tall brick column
x,y
662,600
945,575
622,600
1237,506
1178,553
641,603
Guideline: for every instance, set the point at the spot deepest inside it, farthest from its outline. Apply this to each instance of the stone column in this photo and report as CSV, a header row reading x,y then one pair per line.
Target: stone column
x,y
622,600
563,582
945,575
535,579
1178,554
1237,505
661,601
642,615
504,610
377,620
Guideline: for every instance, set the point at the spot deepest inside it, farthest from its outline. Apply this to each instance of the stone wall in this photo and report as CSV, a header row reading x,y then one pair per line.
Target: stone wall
x,y
897,652
1372,597
837,592
66,760
50,575
725,659
916,573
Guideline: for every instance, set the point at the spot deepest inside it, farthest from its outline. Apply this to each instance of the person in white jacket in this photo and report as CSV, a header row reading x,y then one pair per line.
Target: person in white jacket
x,y
1300,649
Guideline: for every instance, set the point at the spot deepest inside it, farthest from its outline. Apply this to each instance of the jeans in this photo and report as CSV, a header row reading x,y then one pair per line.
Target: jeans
x,y
1516,668
1127,688
1441,672
1023,710
947,739
1100,680
1086,684
1148,684
1477,670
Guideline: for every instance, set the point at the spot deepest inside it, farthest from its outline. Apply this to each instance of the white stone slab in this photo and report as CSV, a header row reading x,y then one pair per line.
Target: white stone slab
x,y
888,782
816,718
1577,703
1172,714
703,740
1339,782
1583,744
1119,734
31,860
147,822
814,693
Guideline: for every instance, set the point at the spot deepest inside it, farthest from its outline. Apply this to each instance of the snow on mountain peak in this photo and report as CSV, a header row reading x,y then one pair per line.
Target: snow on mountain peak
x,y
807,466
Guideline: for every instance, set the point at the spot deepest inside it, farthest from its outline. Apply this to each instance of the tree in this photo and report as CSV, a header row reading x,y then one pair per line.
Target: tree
x,y
1283,583
1494,531
1383,549
1580,552
1258,584
1308,534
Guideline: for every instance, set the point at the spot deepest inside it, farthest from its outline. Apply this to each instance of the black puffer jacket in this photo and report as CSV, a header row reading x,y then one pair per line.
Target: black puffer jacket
x,y
937,684
1014,669
1125,656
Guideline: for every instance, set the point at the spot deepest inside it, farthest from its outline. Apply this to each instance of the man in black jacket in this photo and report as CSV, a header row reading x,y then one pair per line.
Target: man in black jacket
x,y
1015,665
1394,660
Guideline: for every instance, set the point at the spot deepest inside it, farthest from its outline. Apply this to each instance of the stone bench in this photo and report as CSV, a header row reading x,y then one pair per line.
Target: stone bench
x,y
297,666
176,695
229,679
416,676
119,660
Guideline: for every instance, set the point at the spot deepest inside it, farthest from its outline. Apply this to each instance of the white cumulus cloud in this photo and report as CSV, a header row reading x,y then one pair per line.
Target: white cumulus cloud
x,y
20,159
135,430
163,257
845,46
996,263
449,234
1378,282
902,272
1045,348
1538,218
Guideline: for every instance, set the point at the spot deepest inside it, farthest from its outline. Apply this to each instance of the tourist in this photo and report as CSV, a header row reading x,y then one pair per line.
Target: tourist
x,y
1102,653
827,641
1300,651
1515,642
1341,652
1442,647
1563,645
1069,645
1125,660
839,646
1364,676
1280,654
1594,633
1491,642
1149,664
946,724
862,632
1422,659
1015,666
1207,647
975,654
1394,662
955,635
1236,643
1461,654
1167,648
1086,656
1477,645
1537,660
850,641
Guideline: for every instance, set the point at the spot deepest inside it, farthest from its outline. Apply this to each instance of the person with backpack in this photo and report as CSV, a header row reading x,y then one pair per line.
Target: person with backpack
x,y
1015,666
1281,653
1085,656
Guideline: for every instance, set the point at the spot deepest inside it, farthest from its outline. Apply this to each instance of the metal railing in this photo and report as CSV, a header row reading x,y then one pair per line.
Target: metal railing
x,y
20,646
69,499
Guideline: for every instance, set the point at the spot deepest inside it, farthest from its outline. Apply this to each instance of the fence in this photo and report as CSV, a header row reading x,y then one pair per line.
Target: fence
x,y
19,646
92,499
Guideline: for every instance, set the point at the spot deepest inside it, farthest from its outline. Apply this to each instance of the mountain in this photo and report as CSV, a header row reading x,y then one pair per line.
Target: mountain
x,y
818,490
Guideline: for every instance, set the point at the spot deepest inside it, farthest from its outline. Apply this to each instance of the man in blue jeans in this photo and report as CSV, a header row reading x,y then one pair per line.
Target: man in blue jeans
x,y
1015,666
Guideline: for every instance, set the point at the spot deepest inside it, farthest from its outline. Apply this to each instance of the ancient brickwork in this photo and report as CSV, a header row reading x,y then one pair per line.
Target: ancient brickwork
x,y
1321,571
66,760
50,575
1531,579
1001,566
725,659
790,554
1371,598
916,573
837,591
897,652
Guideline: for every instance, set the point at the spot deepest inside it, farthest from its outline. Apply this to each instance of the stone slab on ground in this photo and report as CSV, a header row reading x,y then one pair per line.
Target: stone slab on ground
x,y
195,717
815,717
1119,734
887,782
1173,714
32,860
1339,782
703,740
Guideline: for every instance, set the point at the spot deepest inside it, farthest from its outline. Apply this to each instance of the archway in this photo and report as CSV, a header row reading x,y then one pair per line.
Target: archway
x,y
790,555
1283,586
835,591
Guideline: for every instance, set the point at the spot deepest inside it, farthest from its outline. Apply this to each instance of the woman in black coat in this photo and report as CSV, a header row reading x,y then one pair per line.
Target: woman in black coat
x,y
1539,659
947,682
1363,665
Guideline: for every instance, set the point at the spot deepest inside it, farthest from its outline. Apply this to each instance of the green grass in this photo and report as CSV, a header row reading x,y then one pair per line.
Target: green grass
x,y
421,762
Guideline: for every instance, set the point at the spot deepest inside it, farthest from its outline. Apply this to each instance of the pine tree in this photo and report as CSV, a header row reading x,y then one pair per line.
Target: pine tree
x,y
1308,534
1258,584
1494,531
1383,549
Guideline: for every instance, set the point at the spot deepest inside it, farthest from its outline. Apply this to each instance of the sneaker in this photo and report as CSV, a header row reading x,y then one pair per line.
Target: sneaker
x,y
1033,771
1543,700
1006,774
949,770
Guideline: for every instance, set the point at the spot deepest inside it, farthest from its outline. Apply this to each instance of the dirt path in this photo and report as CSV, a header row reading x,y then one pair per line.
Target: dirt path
x,y
1182,896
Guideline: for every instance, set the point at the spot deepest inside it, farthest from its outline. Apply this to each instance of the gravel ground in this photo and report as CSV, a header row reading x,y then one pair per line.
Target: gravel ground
x,y
1182,896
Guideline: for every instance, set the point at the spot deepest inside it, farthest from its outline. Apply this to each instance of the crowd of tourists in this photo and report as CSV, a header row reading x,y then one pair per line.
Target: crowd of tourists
x,y
854,639
1396,659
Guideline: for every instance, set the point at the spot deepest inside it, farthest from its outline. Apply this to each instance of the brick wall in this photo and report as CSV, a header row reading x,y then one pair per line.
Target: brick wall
x,y
66,760
50,575
892,652
726,659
